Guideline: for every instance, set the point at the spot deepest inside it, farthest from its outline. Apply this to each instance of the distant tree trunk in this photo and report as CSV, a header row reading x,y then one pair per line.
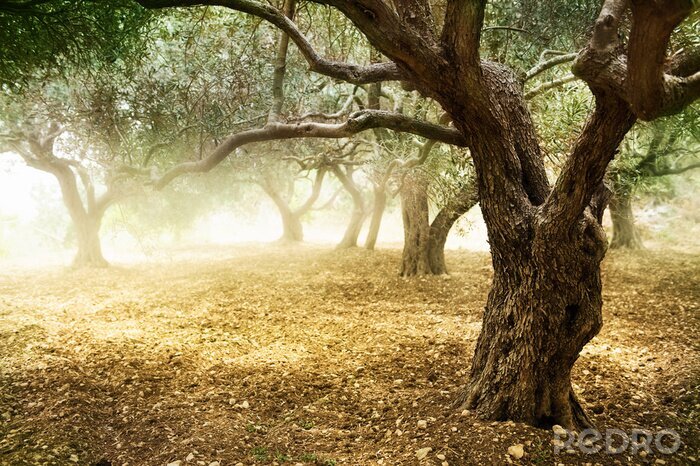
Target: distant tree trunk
x,y
86,221
424,242
89,246
292,228
352,232
416,227
380,199
625,232
440,228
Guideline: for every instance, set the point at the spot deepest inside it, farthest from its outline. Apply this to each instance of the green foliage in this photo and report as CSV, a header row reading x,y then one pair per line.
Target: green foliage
x,y
44,38
652,151
560,25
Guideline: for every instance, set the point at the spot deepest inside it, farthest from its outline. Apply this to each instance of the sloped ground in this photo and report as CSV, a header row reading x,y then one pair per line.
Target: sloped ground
x,y
273,355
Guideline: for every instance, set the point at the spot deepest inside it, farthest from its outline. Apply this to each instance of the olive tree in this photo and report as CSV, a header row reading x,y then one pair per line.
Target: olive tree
x,y
546,237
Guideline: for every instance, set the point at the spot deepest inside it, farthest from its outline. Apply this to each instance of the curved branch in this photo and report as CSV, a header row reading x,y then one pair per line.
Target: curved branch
x,y
641,77
357,122
585,168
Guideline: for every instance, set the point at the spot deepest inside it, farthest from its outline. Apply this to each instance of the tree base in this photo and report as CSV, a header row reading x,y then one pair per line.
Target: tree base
x,y
100,263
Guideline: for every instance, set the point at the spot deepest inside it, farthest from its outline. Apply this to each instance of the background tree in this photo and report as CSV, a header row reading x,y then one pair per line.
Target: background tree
x,y
655,151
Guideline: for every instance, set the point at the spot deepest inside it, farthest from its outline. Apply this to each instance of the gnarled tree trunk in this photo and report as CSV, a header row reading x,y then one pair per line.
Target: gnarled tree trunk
x,y
545,302
86,215
625,232
86,219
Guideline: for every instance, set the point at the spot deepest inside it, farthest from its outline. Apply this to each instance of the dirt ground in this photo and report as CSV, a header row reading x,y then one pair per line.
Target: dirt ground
x,y
277,355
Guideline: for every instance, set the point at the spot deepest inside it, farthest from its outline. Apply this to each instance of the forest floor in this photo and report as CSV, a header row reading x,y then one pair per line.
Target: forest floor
x,y
273,355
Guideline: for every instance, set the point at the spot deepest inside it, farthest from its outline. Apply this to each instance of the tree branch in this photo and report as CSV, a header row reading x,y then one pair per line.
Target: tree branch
x,y
640,77
280,66
550,63
544,87
674,170
315,192
585,168
349,72
357,122
461,32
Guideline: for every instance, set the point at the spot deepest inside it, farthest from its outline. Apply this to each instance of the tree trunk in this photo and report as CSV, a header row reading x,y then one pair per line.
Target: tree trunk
x,y
625,233
440,228
292,228
424,242
543,307
546,297
89,248
380,198
416,227
87,220
352,232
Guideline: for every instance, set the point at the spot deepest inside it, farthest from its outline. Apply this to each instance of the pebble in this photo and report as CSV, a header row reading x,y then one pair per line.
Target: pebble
x,y
245,405
441,457
422,424
189,457
559,430
516,451
423,452
74,458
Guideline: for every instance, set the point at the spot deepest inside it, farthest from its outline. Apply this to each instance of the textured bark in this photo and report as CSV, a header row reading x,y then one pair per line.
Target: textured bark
x,y
625,233
416,227
380,199
543,307
545,302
